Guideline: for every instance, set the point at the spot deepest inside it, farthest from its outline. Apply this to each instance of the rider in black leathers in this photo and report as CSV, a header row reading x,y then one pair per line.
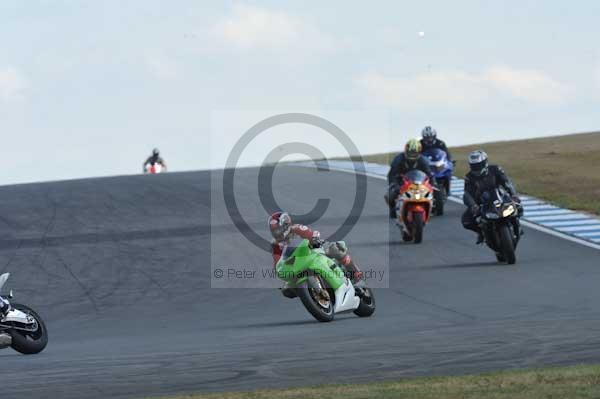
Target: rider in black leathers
x,y
155,158
481,178
404,162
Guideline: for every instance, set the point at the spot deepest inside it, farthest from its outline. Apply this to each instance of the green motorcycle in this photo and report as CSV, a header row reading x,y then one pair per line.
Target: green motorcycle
x,y
321,285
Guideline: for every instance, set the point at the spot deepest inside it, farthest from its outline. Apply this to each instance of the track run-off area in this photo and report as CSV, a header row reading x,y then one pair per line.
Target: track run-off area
x,y
120,268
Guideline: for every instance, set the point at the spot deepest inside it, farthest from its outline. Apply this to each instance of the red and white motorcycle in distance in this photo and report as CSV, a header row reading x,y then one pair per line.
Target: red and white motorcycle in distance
x,y
21,327
154,169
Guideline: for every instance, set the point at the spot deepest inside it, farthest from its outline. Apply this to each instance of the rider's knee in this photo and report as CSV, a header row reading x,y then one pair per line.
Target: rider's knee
x,y
394,189
468,222
336,250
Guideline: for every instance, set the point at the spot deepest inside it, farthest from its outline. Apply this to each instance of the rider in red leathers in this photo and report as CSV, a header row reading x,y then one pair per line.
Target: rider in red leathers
x,y
283,231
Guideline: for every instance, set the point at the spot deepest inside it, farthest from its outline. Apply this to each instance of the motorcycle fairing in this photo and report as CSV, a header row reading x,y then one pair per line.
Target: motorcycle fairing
x,y
15,315
304,259
345,297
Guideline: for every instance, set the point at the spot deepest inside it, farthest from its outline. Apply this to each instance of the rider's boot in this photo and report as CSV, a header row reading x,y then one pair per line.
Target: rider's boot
x,y
480,238
518,227
393,213
392,207
356,278
354,273
406,236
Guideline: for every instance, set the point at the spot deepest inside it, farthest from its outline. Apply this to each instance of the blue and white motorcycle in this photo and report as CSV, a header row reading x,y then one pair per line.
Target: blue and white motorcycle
x,y
442,169
21,327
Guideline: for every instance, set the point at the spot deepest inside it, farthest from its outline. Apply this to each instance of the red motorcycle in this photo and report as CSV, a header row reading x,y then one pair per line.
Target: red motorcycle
x,y
154,168
414,205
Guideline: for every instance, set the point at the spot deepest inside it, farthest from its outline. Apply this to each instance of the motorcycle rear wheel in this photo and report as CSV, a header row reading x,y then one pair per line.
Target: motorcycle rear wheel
x,y
439,197
367,304
29,343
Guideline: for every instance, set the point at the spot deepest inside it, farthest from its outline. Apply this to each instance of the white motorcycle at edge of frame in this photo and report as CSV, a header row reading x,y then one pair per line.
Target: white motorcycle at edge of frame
x,y
21,327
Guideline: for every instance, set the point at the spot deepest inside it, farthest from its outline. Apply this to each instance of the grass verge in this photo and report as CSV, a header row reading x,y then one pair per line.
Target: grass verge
x,y
564,170
560,382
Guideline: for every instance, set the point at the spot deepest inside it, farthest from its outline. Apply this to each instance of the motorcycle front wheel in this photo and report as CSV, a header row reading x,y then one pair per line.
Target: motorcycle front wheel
x,y
417,227
29,342
507,245
316,298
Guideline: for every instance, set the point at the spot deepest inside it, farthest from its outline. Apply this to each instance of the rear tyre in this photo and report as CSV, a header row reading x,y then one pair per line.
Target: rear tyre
x,y
507,245
26,342
439,196
316,298
417,228
367,304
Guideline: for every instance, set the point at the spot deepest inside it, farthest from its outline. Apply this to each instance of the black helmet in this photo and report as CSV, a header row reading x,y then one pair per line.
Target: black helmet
x,y
478,163
429,134
155,152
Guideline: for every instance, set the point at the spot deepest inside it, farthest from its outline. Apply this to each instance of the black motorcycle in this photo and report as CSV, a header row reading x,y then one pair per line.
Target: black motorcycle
x,y
499,221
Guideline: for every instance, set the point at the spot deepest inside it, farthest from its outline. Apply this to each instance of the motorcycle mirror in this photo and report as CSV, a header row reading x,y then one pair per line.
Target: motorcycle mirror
x,y
10,294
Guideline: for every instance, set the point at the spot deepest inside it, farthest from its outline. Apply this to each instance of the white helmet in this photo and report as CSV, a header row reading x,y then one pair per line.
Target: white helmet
x,y
478,162
429,134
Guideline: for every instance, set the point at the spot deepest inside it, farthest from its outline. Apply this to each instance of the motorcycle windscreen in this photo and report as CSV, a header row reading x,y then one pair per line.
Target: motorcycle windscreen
x,y
416,176
492,200
435,155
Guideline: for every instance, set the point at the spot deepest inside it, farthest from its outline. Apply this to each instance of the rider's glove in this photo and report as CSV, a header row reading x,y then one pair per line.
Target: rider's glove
x,y
316,242
516,199
475,209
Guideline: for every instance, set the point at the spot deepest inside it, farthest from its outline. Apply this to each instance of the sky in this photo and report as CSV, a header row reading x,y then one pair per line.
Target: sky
x,y
89,88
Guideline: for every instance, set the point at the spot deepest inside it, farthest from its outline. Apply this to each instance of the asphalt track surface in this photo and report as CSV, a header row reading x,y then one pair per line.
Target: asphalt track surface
x,y
121,270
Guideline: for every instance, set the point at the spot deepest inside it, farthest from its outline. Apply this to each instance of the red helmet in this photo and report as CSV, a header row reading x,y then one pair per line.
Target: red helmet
x,y
280,224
